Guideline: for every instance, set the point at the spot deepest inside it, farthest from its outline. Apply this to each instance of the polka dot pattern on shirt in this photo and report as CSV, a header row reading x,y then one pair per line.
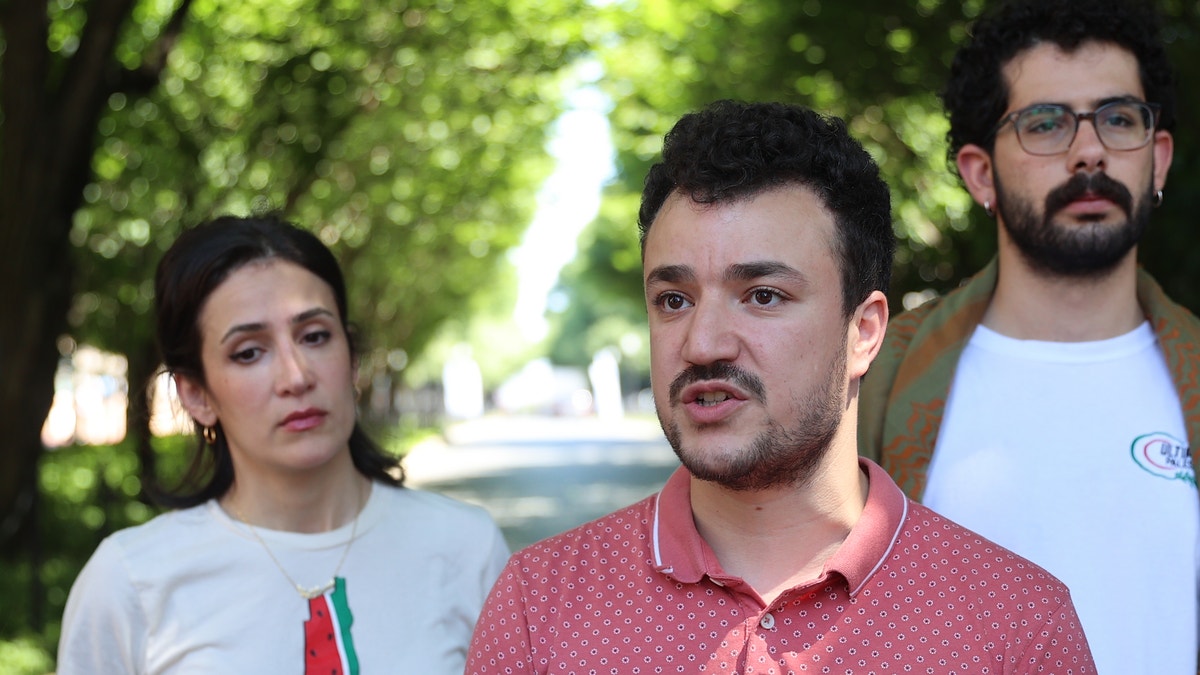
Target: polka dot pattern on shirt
x,y
942,600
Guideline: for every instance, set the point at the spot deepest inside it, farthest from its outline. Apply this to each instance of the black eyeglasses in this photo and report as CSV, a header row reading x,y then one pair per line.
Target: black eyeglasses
x,y
1049,128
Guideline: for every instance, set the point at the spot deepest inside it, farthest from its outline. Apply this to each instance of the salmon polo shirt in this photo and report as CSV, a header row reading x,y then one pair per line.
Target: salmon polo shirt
x,y
639,591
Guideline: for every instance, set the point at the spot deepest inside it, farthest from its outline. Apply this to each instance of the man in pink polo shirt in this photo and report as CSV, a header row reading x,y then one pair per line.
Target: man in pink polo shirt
x,y
767,246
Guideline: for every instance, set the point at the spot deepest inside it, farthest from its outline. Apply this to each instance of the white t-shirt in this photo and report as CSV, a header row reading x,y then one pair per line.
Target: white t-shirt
x,y
192,591
1075,455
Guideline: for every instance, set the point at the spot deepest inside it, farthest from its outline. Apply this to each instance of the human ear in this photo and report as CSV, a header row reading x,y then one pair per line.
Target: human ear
x,y
1164,150
195,400
975,167
865,333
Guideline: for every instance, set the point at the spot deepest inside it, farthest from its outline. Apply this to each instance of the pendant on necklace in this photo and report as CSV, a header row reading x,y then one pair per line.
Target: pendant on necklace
x,y
315,591
328,645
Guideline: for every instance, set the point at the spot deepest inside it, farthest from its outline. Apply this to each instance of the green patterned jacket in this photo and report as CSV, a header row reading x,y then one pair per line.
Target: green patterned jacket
x,y
904,393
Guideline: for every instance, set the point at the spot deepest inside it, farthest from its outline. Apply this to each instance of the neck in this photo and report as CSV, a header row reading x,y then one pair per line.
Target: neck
x,y
1032,305
322,502
778,538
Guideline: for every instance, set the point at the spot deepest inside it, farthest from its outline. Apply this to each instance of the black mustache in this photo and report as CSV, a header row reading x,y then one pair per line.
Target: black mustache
x,y
1081,184
720,370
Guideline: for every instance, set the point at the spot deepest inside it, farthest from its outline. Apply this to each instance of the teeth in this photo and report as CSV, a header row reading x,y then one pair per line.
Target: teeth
x,y
712,397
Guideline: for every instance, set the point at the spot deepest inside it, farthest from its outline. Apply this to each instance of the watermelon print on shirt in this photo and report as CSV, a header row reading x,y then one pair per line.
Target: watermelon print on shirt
x,y
328,645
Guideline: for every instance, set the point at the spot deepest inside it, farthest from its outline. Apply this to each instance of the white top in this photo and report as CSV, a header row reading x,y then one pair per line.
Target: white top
x,y
1075,456
192,591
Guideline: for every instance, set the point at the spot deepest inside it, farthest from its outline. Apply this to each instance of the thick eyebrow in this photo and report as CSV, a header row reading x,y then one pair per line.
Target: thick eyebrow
x,y
765,268
671,274
1124,98
676,274
253,327
1128,98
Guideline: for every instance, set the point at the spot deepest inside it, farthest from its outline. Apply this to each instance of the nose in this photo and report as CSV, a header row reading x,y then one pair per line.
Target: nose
x,y
711,335
293,372
1087,152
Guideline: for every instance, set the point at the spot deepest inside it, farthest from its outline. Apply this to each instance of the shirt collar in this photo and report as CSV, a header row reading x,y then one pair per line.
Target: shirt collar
x,y
682,554
679,551
871,540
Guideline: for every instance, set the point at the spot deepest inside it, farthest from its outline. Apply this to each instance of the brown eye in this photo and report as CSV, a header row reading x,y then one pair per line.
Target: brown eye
x,y
316,337
247,355
765,297
672,302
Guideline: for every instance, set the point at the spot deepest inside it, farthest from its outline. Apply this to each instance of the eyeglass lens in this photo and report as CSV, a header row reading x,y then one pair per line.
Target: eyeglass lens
x,y
1049,129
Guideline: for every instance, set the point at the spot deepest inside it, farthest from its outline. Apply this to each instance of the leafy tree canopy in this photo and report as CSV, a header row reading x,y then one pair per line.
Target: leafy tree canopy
x,y
409,138
876,63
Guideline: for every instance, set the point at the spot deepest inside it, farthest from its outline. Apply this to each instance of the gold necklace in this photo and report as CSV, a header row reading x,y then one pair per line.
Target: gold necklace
x,y
308,593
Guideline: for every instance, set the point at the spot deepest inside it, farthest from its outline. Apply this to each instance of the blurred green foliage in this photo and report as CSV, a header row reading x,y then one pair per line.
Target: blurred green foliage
x,y
24,656
879,65
409,134
86,492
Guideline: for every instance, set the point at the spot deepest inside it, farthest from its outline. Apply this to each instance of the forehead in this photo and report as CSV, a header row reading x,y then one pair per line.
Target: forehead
x,y
789,224
1080,78
263,290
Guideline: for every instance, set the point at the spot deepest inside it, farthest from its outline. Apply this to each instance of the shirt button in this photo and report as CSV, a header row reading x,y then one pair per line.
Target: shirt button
x,y
767,621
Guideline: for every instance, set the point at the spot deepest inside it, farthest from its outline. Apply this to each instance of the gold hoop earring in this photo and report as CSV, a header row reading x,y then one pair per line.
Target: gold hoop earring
x,y
210,435
1158,198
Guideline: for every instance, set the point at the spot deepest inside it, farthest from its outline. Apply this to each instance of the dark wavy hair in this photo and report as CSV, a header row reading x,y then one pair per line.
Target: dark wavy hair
x,y
733,150
976,95
192,268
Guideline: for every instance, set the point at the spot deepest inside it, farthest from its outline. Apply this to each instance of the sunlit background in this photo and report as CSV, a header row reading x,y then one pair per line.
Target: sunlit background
x,y
476,166
92,389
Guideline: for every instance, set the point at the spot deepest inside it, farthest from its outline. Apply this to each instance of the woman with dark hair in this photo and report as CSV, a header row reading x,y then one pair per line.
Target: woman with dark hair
x,y
293,543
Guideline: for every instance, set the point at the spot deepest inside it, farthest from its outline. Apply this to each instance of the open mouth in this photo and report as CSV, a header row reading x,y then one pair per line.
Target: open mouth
x,y
711,398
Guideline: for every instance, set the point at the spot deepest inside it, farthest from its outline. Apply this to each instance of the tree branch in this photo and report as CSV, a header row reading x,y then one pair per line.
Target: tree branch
x,y
147,76
87,82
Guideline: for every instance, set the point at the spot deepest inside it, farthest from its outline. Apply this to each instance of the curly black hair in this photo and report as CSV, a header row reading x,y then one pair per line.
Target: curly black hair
x,y
733,150
976,95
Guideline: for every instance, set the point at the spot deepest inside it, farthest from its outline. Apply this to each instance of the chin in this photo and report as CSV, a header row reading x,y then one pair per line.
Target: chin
x,y
316,454
312,462
704,453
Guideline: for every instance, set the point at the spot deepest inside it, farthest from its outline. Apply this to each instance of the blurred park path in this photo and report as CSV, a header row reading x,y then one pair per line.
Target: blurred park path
x,y
538,476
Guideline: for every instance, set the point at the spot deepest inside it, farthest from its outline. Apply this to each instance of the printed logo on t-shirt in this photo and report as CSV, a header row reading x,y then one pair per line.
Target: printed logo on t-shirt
x,y
1164,456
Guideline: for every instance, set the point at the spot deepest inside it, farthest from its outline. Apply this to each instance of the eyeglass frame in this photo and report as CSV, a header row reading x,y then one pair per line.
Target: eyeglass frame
x,y
1154,108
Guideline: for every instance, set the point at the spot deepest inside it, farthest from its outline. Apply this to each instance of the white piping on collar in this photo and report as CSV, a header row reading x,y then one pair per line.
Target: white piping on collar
x,y
654,537
886,554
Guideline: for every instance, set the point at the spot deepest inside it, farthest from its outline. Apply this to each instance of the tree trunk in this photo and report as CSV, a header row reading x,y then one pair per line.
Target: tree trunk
x,y
143,362
50,110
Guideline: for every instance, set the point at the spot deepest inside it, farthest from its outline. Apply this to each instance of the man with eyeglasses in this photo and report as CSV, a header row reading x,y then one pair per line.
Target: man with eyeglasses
x,y
1052,402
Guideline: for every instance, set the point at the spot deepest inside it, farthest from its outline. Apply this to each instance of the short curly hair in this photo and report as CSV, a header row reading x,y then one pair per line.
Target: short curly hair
x,y
733,150
976,95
